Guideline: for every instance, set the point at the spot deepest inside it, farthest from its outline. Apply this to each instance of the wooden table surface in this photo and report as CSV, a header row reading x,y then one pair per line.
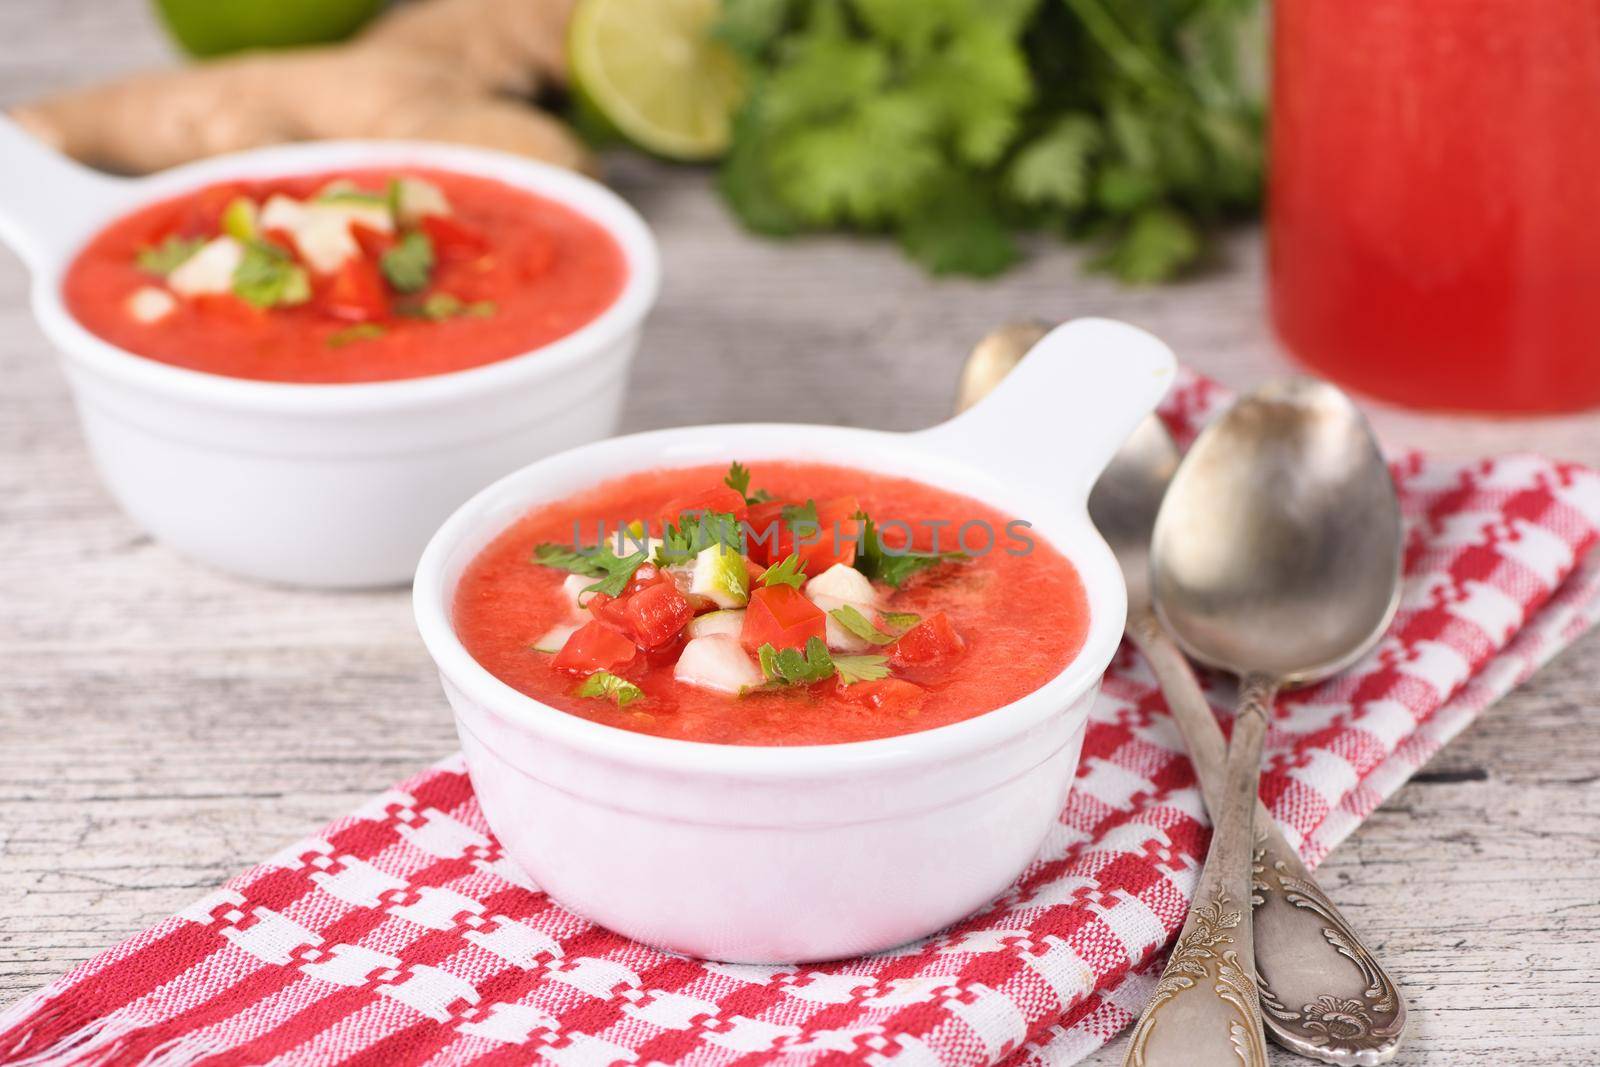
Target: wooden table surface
x,y
162,726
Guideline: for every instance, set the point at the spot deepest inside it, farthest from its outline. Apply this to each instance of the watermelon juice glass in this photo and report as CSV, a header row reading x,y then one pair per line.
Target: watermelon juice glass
x,y
1434,195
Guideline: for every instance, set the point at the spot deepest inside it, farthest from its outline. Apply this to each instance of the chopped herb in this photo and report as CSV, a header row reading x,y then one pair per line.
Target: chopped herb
x,y
361,331
901,620
694,532
802,514
866,668
790,572
268,277
860,625
239,219
391,198
440,306
790,666
738,480
409,264
166,257
613,570
347,192
894,568
603,685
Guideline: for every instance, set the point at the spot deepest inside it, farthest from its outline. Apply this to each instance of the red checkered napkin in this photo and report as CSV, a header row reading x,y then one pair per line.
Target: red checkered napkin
x,y
401,935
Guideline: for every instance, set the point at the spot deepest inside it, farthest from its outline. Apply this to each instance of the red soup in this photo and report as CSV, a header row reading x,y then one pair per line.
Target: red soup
x,y
797,604
355,276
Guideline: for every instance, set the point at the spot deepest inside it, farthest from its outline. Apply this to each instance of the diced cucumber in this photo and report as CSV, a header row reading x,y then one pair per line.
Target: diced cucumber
x,y
555,640
417,198
838,637
149,304
719,663
325,241
720,576
844,583
574,585
239,219
282,213
726,622
209,270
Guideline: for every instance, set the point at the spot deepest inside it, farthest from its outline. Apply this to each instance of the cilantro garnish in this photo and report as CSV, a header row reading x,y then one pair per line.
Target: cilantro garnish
x,y
901,620
604,685
789,571
738,480
440,306
860,625
613,571
409,264
894,568
361,331
269,277
694,532
166,257
870,667
790,666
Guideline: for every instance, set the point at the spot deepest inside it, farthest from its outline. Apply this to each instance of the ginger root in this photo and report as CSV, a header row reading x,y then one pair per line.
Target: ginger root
x,y
443,70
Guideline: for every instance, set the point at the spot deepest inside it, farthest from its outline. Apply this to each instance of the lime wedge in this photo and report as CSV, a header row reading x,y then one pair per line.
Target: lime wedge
x,y
213,27
653,69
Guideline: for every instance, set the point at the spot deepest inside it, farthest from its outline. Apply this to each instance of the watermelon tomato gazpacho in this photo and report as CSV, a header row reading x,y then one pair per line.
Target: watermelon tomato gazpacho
x,y
799,604
354,276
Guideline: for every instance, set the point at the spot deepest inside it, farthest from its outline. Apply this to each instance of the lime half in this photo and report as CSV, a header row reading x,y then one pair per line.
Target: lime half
x,y
654,70
213,27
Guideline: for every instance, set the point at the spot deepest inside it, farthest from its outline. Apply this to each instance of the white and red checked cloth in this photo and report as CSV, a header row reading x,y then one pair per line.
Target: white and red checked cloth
x,y
400,935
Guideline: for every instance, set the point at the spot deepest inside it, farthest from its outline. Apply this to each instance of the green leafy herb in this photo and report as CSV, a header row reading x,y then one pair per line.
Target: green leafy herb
x,y
953,125
613,571
860,625
790,666
440,306
901,620
361,331
738,480
789,571
603,685
352,194
802,515
870,667
166,257
409,264
894,568
693,533
269,277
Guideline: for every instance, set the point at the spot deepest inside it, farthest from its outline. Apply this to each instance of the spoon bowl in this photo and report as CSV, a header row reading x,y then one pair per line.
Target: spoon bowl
x,y
1277,550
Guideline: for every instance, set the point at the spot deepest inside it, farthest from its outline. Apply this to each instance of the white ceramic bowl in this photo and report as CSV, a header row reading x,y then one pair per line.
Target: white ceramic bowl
x,y
768,854
313,484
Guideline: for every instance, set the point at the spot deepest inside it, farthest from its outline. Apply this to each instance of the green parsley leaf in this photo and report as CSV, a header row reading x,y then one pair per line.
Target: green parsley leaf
x,y
603,685
409,264
693,533
361,331
269,277
613,570
790,666
440,306
166,257
901,620
1053,168
790,572
1158,244
894,568
738,479
860,625
870,667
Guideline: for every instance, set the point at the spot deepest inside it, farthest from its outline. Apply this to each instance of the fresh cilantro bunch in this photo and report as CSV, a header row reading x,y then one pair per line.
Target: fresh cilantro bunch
x,y
956,124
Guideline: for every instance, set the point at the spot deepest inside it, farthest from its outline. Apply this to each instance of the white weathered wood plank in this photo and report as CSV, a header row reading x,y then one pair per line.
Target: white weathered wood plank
x,y
162,726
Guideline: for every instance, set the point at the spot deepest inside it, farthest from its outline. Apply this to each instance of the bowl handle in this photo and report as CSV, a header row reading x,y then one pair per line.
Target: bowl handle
x,y
47,201
1055,421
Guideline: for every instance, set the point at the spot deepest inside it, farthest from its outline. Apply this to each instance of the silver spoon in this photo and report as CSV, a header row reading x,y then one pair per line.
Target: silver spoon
x,y
1275,556
1323,992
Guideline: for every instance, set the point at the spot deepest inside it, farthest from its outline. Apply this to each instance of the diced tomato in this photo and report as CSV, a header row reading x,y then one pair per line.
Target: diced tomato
x,y
374,243
280,237
835,538
610,611
452,239
355,293
596,647
657,614
721,499
886,694
928,649
781,616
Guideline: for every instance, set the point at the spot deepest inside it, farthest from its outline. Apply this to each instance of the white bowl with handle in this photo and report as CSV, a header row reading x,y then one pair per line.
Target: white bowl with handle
x,y
329,485
783,854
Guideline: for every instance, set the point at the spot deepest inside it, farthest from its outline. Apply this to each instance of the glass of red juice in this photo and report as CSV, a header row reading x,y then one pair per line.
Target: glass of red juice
x,y
1434,204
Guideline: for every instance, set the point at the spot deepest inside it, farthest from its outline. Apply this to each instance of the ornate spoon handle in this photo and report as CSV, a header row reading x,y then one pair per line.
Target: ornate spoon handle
x,y
1205,1010
1323,993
